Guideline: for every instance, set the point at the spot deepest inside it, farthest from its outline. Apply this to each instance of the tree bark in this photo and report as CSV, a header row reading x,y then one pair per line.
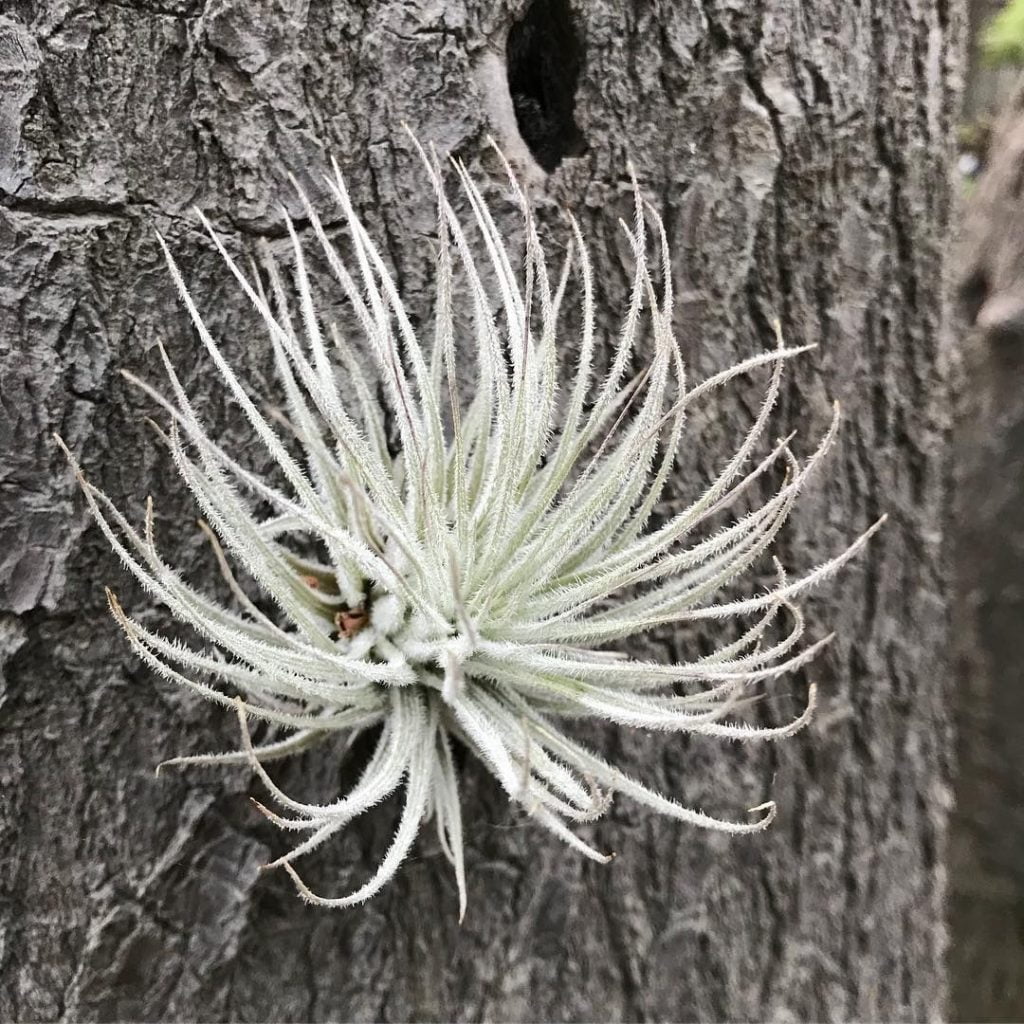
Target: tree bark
x,y
799,154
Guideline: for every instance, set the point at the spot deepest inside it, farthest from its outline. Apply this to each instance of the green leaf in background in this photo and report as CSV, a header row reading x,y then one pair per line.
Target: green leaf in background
x,y
1002,41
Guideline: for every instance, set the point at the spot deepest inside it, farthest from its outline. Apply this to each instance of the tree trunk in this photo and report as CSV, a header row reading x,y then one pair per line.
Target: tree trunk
x,y
987,832
799,154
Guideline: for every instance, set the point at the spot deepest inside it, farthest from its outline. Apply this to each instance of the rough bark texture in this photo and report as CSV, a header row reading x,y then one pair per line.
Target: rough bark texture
x,y
987,841
799,154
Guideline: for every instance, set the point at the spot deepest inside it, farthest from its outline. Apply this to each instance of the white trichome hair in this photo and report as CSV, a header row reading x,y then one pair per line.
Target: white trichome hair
x,y
470,589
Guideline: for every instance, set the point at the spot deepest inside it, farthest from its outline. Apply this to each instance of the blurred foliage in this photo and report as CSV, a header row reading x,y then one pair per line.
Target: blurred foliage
x,y
972,142
974,136
1002,41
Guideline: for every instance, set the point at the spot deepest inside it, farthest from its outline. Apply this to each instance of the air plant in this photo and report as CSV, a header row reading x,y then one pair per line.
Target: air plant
x,y
471,587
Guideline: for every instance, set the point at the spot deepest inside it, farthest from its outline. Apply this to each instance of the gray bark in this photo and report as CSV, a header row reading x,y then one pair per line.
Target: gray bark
x,y
799,154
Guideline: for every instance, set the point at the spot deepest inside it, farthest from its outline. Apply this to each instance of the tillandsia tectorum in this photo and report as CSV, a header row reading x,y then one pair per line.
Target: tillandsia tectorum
x,y
470,585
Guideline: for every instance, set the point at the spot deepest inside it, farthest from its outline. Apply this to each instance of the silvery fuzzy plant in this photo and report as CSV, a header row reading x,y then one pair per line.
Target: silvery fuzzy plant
x,y
473,587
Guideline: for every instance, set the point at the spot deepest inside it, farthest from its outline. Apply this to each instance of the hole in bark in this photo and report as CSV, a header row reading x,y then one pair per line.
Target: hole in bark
x,y
972,293
544,54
